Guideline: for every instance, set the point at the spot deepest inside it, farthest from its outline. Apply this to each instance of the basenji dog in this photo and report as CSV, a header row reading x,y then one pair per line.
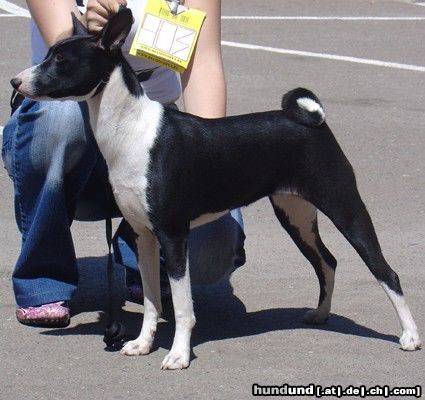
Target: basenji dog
x,y
171,171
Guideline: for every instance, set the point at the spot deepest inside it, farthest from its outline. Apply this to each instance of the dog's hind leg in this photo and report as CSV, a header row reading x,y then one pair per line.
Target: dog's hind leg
x,y
176,264
148,251
347,211
299,218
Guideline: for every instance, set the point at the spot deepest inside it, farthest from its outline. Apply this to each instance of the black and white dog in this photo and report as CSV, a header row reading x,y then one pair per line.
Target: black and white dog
x,y
171,171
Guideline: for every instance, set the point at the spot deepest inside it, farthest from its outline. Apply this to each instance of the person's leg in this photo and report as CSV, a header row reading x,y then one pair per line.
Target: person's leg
x,y
203,83
125,253
216,249
49,153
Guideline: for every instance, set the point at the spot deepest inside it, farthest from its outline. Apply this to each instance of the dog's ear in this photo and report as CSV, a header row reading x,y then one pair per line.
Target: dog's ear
x,y
116,30
77,27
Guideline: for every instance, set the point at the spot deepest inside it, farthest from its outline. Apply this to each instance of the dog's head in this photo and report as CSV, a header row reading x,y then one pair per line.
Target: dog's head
x,y
76,67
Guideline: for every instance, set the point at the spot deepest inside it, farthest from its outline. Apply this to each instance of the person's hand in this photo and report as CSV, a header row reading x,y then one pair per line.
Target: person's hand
x,y
100,11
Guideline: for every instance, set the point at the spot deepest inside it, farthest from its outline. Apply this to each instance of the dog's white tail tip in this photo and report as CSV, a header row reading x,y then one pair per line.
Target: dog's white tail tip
x,y
302,106
311,105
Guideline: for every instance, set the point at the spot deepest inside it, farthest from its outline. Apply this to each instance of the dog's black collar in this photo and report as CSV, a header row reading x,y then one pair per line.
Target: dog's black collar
x,y
145,74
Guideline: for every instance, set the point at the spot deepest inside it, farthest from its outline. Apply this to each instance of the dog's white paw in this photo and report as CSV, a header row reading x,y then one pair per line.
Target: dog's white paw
x,y
136,348
176,360
315,317
410,341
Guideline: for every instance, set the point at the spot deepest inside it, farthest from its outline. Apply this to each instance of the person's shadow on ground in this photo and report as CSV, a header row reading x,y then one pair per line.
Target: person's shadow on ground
x,y
219,313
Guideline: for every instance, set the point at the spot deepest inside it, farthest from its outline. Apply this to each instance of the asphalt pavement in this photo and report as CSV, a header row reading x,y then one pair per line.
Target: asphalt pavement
x,y
365,60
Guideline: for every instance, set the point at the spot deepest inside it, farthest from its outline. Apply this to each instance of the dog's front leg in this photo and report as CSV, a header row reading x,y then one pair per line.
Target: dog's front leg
x,y
177,266
148,250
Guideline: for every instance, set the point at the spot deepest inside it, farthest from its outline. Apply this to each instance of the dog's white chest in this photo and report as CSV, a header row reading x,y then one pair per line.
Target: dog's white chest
x,y
125,131
128,168
130,195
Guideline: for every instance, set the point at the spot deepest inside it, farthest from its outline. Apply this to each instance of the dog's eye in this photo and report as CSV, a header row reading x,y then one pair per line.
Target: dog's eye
x,y
59,57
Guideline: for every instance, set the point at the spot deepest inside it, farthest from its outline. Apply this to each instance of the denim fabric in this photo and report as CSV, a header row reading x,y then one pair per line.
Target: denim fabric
x,y
59,175
215,249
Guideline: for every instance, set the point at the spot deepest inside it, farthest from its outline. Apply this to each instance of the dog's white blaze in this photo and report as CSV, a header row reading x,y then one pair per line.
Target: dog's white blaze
x,y
409,339
310,105
125,128
27,76
179,355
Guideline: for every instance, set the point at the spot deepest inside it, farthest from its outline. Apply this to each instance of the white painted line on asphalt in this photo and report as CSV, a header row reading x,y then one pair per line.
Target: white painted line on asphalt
x,y
10,16
22,12
333,57
312,18
14,9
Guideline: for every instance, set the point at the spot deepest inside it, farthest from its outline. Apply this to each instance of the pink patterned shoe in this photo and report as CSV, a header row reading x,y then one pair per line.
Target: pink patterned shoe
x,y
52,315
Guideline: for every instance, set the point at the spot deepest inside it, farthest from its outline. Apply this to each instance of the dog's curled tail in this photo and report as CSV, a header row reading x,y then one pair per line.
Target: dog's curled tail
x,y
302,106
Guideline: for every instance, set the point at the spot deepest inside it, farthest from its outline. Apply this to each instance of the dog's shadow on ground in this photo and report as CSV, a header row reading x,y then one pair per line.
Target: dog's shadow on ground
x,y
219,313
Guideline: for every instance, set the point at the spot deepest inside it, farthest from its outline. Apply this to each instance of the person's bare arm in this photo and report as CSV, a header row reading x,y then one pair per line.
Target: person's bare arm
x,y
204,85
53,17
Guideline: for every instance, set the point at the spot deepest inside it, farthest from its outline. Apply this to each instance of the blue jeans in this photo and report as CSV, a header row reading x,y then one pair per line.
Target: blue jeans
x,y
59,175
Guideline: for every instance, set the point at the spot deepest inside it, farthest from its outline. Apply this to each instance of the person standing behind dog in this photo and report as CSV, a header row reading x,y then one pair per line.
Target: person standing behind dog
x,y
59,174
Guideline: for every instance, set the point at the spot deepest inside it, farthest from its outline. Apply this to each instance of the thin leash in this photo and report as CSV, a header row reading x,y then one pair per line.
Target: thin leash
x,y
115,331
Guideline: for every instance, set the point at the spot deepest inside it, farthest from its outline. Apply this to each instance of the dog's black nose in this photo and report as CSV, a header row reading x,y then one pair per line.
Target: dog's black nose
x,y
16,82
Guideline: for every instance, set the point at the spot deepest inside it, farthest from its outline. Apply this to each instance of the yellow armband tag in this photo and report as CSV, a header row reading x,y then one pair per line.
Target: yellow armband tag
x,y
166,38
